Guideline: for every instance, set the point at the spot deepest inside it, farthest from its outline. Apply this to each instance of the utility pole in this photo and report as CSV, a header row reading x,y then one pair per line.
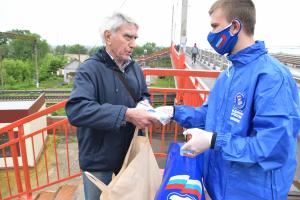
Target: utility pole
x,y
183,38
172,25
2,52
36,63
1,71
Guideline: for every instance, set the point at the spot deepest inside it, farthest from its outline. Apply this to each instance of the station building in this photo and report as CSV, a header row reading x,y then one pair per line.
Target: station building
x,y
11,111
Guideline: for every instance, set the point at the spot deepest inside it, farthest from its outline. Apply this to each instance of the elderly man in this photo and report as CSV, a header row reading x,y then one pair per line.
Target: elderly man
x,y
102,103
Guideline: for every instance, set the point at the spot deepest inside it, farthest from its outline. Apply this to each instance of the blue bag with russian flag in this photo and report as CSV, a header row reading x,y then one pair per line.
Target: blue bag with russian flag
x,y
182,178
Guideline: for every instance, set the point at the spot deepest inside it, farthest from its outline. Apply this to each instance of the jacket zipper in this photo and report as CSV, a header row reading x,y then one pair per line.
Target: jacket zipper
x,y
223,118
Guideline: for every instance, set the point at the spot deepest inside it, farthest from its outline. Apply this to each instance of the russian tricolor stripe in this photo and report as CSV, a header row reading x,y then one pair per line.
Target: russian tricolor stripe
x,y
193,187
221,41
177,182
185,185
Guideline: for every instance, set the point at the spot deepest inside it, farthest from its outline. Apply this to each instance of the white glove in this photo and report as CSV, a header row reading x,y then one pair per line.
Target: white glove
x,y
169,110
199,142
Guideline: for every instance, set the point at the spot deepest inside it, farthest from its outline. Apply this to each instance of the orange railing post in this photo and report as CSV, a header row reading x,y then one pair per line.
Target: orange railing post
x,y
22,187
14,156
25,161
178,60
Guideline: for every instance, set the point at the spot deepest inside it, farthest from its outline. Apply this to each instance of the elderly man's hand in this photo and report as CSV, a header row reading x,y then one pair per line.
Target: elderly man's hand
x,y
140,117
200,141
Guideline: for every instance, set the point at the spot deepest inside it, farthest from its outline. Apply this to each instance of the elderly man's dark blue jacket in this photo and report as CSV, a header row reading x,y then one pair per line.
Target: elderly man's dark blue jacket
x,y
97,106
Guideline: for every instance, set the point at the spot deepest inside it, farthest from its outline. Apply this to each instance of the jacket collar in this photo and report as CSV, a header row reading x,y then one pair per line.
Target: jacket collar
x,y
103,56
247,55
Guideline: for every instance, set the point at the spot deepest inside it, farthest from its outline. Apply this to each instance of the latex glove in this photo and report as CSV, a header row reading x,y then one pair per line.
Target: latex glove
x,y
169,110
200,141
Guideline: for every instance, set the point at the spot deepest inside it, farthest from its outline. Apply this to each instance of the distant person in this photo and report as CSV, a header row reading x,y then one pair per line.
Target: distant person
x,y
177,47
195,53
249,126
102,107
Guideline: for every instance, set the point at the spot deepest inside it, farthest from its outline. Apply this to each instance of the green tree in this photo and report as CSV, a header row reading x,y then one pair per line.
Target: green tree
x,y
150,47
3,51
43,48
60,50
17,71
22,47
94,50
77,49
137,51
50,64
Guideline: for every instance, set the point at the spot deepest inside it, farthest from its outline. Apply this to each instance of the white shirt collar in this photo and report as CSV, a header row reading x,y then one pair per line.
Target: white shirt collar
x,y
124,65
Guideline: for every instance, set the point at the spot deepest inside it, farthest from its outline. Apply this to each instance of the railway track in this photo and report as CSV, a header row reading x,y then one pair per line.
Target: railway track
x,y
32,92
55,96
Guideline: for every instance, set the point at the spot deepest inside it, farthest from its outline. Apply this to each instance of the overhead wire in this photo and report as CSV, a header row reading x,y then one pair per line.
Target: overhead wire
x,y
123,4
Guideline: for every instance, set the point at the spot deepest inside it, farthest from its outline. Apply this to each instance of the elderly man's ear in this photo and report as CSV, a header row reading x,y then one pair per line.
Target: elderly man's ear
x,y
107,37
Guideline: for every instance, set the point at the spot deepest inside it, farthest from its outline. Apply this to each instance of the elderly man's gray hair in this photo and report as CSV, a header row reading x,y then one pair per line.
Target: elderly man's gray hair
x,y
113,22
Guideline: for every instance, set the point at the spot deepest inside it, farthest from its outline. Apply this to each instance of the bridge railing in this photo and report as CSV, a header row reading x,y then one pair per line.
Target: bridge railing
x,y
290,60
33,170
192,78
25,170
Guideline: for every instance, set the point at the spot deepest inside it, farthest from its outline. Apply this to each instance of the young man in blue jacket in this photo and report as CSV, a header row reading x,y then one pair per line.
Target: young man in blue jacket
x,y
249,126
102,108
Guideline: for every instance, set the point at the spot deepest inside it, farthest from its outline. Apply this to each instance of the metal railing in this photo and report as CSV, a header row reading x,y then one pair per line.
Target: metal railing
x,y
24,177
33,170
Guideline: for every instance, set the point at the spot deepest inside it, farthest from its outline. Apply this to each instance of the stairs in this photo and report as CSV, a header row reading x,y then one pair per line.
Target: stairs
x,y
45,195
65,192
158,54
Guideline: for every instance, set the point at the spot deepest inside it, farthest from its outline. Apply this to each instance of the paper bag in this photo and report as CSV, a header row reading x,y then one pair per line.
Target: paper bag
x,y
139,177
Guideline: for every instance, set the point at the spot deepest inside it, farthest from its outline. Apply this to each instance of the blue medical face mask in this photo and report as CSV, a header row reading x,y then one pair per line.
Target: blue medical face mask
x,y
223,42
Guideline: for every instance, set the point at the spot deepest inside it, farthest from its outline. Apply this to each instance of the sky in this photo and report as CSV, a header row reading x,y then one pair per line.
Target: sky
x,y
78,22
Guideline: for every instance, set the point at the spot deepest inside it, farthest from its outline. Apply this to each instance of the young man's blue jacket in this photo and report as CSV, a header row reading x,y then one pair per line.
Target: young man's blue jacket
x,y
97,106
254,110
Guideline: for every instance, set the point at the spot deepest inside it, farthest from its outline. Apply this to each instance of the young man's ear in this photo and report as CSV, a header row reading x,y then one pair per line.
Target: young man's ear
x,y
236,26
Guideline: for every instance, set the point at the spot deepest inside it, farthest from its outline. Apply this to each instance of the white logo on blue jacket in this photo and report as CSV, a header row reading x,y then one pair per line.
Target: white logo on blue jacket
x,y
239,105
177,196
186,186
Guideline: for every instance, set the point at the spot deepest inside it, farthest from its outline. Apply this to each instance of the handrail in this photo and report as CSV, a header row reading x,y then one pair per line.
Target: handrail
x,y
33,116
186,93
180,72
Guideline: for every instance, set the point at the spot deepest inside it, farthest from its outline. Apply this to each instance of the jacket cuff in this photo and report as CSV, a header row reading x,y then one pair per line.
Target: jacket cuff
x,y
222,140
213,141
121,117
173,115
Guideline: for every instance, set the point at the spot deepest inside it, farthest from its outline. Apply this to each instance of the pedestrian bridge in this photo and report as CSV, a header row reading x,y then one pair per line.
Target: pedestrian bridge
x,y
58,163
